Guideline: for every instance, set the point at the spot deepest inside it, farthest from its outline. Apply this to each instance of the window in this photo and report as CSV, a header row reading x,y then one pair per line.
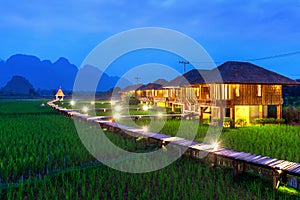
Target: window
x,y
155,93
237,91
259,90
166,93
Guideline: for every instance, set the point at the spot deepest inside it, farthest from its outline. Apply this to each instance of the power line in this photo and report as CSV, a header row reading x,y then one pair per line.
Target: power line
x,y
257,59
275,56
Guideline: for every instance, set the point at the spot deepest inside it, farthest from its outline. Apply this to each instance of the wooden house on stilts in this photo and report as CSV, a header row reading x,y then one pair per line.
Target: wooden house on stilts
x,y
235,90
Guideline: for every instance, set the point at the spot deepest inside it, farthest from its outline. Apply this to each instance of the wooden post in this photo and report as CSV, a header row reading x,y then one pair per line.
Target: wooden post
x,y
211,114
221,116
173,107
279,111
245,167
235,168
215,160
163,145
147,141
275,180
201,115
134,140
232,117
261,111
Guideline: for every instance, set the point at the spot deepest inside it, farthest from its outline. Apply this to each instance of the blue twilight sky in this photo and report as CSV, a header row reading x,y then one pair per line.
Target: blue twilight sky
x,y
227,29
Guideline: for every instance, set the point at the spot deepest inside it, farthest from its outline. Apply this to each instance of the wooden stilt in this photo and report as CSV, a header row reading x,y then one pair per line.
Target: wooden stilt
x,y
215,160
163,145
275,180
245,167
147,141
235,168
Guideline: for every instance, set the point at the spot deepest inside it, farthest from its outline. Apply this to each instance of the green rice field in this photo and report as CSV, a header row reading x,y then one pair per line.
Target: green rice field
x,y
42,157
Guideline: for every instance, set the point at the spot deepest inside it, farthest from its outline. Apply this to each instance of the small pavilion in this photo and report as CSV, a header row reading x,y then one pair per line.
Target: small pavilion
x,y
59,95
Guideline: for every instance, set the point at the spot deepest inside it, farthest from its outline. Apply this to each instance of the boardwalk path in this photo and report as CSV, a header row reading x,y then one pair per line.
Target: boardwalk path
x,y
280,167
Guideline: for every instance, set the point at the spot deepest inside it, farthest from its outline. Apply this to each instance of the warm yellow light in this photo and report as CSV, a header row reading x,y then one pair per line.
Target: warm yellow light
x,y
117,116
72,102
145,107
118,108
145,129
85,109
215,146
159,114
92,102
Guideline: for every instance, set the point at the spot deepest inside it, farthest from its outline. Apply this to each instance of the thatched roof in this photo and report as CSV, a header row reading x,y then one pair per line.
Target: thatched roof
x,y
60,93
160,81
231,72
247,73
191,77
150,86
131,88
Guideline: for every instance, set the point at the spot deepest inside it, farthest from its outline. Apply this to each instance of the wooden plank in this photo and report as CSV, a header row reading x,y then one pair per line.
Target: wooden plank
x,y
234,154
172,139
275,163
284,165
258,159
225,152
271,161
295,166
263,161
248,158
244,154
254,159
296,170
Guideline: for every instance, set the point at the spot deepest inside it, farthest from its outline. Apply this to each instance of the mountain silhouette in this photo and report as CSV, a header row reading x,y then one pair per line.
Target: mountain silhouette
x,y
18,85
43,74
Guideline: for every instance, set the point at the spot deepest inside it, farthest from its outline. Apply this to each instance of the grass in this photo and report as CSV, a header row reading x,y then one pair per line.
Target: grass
x,y
30,133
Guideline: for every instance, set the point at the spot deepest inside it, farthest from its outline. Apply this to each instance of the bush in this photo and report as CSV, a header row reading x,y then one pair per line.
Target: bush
x,y
241,122
228,122
263,121
132,100
291,115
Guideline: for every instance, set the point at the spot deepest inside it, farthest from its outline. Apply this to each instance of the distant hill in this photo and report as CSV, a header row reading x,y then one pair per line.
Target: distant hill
x,y
43,74
18,85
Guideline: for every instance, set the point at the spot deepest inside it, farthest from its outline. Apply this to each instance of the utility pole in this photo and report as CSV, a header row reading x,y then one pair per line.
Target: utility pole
x,y
184,65
137,79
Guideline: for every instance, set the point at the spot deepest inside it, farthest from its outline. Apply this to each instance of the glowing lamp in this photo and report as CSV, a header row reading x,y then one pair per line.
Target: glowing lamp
x,y
145,107
118,108
72,102
85,109
145,129
215,146
117,116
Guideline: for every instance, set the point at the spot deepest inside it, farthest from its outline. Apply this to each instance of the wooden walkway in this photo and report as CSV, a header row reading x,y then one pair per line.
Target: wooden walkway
x,y
280,168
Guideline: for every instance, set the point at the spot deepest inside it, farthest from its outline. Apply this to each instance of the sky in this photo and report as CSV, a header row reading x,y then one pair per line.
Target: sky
x,y
241,30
